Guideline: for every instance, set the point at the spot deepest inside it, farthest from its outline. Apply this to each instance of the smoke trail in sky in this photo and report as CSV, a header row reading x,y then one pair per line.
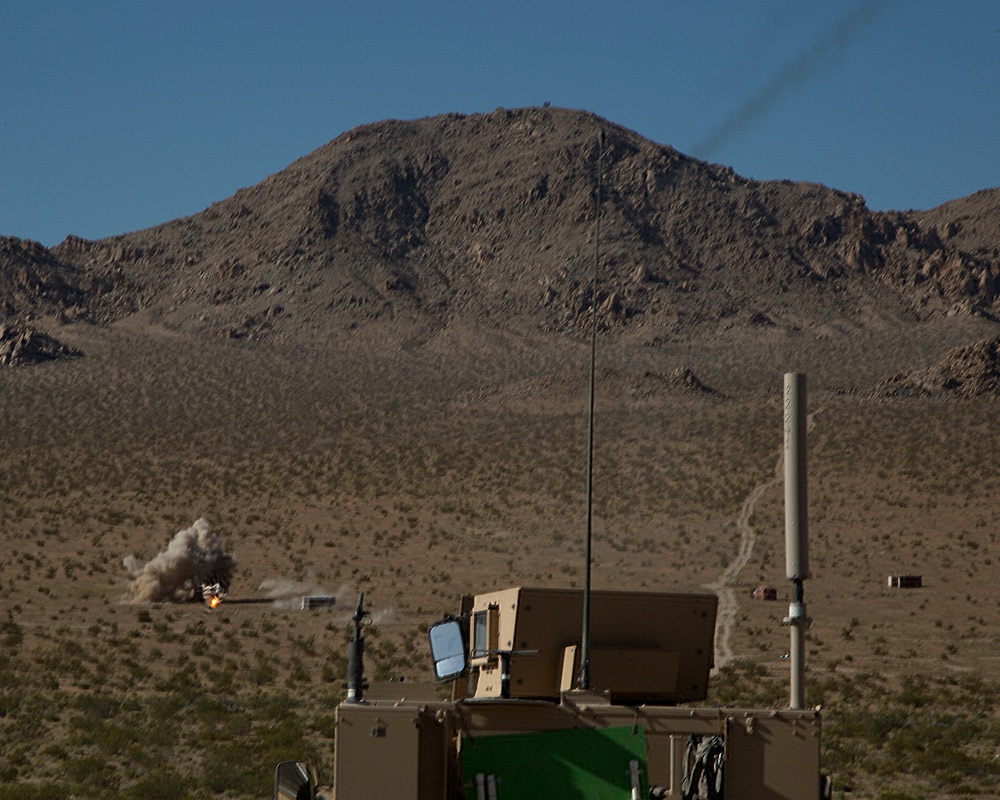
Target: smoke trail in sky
x,y
797,72
781,24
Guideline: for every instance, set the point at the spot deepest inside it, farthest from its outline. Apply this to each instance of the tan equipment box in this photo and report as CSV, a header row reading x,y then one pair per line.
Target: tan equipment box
x,y
397,751
646,647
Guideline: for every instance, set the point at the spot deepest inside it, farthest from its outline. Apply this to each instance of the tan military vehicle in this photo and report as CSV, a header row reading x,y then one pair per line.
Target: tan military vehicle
x,y
516,728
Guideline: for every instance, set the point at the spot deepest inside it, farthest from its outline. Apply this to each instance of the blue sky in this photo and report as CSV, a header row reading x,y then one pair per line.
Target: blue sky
x,y
116,116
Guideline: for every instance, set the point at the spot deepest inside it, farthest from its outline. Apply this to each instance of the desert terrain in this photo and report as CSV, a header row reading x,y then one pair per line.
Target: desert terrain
x,y
369,373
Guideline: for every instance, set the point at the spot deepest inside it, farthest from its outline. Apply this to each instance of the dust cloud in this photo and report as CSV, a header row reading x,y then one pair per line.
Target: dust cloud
x,y
193,558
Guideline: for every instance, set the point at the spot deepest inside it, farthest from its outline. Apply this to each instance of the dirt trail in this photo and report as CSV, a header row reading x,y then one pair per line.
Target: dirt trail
x,y
725,586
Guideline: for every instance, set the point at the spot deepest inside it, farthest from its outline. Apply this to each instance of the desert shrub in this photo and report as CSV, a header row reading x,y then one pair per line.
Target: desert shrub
x,y
162,784
92,774
112,740
10,702
743,682
12,634
928,745
42,791
99,706
263,673
184,683
232,769
26,729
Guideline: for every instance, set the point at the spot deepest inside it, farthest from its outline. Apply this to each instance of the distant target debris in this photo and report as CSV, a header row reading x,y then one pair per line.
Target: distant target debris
x,y
764,592
315,601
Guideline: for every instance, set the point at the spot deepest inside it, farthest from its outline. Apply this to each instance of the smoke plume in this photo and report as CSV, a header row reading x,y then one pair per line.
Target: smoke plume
x,y
795,73
193,558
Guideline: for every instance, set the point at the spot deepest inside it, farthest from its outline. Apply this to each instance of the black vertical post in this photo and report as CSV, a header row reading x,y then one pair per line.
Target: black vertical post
x,y
356,656
583,681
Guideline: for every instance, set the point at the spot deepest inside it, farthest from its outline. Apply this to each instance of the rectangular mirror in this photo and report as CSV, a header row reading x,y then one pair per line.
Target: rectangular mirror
x,y
447,649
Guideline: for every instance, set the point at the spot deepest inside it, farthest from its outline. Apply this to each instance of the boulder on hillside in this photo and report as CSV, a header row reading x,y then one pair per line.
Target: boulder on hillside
x,y
684,377
21,346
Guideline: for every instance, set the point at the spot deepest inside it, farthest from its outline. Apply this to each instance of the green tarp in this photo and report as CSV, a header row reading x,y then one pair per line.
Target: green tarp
x,y
593,764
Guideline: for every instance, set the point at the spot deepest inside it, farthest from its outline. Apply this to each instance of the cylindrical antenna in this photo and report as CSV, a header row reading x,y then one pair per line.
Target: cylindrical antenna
x,y
583,681
796,530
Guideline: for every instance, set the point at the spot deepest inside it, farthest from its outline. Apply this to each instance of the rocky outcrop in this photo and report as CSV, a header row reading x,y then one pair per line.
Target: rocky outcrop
x,y
972,371
21,346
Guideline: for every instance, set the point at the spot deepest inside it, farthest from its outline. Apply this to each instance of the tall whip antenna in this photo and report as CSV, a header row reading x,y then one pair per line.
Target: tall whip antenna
x,y
583,681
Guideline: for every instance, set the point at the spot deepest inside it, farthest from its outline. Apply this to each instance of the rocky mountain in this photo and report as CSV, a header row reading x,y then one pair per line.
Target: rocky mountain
x,y
487,221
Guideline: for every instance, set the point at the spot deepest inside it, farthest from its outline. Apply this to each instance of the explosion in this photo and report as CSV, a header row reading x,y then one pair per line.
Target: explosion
x,y
213,594
193,559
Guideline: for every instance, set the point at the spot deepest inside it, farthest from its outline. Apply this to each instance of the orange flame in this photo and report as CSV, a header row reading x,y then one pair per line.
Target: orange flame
x,y
214,600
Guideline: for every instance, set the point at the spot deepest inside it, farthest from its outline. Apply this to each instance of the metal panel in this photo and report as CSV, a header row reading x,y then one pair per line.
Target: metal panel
x,y
595,763
384,751
772,758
